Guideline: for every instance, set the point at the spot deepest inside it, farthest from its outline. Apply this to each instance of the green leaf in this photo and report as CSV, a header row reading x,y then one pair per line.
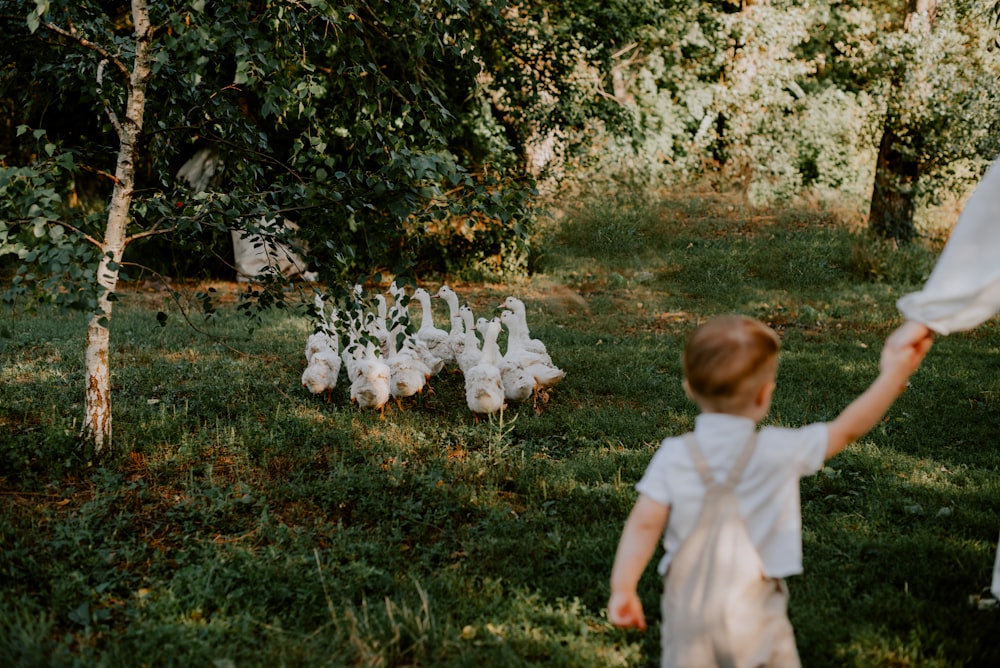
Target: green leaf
x,y
65,160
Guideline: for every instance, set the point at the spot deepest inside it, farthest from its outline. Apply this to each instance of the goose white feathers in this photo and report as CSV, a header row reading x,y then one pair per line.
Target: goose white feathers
x,y
320,376
456,336
538,365
431,338
518,382
470,350
316,342
483,383
408,372
370,382
322,358
523,334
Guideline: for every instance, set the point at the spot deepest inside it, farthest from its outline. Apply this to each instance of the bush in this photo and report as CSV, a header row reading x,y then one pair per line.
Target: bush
x,y
881,260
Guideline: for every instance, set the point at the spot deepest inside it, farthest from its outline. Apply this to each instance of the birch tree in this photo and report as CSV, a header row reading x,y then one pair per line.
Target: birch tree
x,y
97,418
114,69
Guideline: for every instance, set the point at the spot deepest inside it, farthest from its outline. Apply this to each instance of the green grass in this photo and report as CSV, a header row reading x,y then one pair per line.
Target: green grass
x,y
240,521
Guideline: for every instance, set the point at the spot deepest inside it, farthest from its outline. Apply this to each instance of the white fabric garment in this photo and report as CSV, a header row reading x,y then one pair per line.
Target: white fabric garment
x,y
254,255
768,490
995,587
963,291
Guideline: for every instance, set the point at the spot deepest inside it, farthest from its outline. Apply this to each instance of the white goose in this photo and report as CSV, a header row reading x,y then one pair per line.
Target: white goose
x,y
322,359
456,337
483,385
470,350
408,372
537,365
370,384
321,375
432,338
524,336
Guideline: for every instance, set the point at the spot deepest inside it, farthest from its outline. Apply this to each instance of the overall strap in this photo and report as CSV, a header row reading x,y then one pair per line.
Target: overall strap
x,y
701,464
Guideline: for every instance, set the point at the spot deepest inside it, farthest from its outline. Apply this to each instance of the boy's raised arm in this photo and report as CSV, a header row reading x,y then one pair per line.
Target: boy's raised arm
x,y
903,351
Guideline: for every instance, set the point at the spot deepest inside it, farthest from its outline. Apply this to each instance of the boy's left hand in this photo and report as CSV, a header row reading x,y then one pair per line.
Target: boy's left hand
x,y
625,611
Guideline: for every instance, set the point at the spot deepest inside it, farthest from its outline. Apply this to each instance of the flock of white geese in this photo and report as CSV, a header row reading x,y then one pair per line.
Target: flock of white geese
x,y
386,357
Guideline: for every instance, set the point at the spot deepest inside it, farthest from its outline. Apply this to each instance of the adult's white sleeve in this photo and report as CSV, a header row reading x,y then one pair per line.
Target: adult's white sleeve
x,y
963,290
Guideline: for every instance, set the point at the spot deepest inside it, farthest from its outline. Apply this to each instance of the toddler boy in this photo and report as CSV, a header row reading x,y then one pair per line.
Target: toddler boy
x,y
730,364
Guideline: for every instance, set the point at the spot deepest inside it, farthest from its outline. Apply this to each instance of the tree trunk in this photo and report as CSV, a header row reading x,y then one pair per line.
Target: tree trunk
x,y
97,405
896,173
892,205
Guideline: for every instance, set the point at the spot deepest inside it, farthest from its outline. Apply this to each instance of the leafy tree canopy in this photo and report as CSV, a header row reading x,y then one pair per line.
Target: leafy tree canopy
x,y
345,118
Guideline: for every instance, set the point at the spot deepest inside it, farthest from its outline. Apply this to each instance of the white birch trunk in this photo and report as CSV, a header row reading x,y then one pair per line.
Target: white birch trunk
x,y
97,404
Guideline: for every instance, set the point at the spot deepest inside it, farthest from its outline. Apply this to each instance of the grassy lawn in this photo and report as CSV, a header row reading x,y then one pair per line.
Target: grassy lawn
x,y
241,521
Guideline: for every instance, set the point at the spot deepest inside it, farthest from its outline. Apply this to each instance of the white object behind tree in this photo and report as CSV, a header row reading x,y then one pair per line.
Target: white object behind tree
x,y
253,254
257,254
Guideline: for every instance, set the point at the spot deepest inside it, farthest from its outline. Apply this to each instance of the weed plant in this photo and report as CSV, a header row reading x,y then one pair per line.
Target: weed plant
x,y
241,521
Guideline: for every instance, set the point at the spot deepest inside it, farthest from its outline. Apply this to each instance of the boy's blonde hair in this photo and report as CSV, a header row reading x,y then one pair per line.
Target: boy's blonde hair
x,y
728,358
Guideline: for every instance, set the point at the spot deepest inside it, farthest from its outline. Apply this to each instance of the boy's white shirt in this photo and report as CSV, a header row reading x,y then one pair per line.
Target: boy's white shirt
x,y
963,290
768,490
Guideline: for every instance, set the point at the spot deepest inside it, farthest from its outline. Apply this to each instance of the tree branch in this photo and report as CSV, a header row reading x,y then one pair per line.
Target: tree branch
x,y
106,57
100,172
83,235
149,233
175,296
87,44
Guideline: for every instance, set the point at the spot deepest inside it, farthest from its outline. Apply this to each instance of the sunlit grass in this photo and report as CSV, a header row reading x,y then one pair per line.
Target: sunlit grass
x,y
242,521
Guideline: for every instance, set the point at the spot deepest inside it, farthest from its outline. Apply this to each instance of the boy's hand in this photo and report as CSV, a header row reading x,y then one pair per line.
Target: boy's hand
x,y
909,333
906,348
625,611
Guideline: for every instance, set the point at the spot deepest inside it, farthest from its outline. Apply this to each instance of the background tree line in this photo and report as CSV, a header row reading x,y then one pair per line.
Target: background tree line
x,y
371,124
406,137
